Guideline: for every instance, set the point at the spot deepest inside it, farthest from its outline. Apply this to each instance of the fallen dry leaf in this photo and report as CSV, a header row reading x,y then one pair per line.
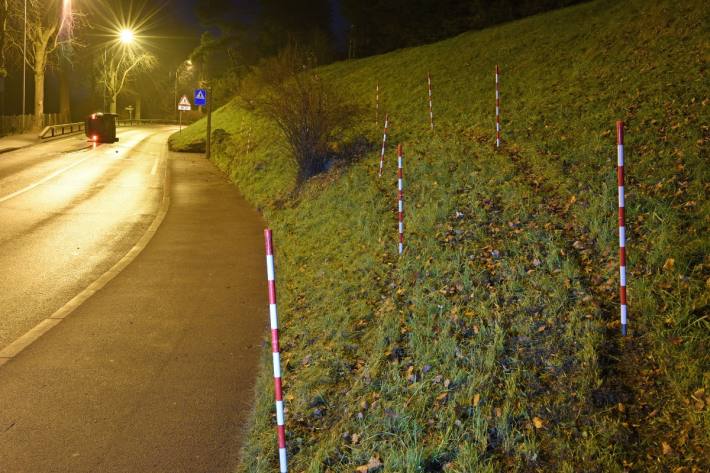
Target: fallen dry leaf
x,y
698,398
667,450
538,422
668,265
372,466
476,399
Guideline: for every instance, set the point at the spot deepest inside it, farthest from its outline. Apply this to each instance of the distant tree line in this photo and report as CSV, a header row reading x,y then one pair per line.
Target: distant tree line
x,y
377,26
247,30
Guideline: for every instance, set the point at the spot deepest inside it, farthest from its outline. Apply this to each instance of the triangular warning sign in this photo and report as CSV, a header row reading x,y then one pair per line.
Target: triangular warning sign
x,y
184,101
200,95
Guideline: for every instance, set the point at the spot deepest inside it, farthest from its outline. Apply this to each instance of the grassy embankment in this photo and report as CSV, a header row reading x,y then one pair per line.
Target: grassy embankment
x,y
492,344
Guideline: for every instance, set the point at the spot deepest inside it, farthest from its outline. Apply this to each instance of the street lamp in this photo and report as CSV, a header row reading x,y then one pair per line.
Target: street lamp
x,y
126,36
187,63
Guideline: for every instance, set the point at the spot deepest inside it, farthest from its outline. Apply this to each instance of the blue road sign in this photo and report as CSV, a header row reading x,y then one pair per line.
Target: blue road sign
x,y
200,97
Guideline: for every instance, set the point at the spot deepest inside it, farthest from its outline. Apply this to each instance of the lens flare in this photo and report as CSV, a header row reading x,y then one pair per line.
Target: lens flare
x,y
125,25
126,36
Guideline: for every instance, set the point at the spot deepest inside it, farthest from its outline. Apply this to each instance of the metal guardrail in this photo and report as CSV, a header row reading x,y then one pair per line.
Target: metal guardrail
x,y
52,131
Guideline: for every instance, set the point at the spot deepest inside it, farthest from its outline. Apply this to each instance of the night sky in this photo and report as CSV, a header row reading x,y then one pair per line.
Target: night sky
x,y
174,30
171,34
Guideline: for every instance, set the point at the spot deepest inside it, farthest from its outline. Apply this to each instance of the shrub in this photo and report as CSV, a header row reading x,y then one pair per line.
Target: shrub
x,y
311,113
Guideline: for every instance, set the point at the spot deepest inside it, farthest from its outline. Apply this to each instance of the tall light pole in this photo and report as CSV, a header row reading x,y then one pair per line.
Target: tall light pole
x,y
177,74
24,68
126,38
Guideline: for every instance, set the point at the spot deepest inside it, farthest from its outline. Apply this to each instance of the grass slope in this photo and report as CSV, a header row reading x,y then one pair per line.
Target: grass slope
x,y
492,344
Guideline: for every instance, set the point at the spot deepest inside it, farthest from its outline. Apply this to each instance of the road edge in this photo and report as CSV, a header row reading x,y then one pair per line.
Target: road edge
x,y
17,346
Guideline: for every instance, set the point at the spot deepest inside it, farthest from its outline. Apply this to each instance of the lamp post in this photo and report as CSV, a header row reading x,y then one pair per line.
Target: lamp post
x,y
24,67
126,38
208,141
177,74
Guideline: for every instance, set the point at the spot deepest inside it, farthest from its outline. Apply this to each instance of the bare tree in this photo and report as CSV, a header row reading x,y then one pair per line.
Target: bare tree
x,y
3,36
117,66
3,50
48,26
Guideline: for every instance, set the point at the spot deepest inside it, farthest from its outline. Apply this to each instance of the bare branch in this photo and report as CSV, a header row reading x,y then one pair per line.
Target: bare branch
x,y
311,114
116,68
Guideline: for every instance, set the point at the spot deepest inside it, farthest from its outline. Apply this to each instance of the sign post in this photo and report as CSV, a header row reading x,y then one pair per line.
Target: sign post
x,y
201,100
130,113
208,145
183,105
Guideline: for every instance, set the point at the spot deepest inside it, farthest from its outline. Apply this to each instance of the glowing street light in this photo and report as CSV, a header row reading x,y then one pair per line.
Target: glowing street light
x,y
126,36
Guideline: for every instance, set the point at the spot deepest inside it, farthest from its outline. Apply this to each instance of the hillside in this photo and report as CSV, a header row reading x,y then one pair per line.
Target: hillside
x,y
493,343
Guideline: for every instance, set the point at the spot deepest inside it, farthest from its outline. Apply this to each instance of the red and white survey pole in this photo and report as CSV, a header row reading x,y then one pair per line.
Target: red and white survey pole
x,y
622,224
384,141
377,103
431,108
497,106
273,316
400,198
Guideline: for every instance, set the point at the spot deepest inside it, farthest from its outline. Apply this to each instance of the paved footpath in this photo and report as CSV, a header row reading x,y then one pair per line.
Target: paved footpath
x,y
155,372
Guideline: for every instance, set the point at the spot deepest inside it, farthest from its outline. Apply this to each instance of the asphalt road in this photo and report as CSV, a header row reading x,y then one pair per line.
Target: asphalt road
x,y
149,361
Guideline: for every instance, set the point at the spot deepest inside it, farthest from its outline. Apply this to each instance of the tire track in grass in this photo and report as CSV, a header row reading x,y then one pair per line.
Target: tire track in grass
x,y
630,391
537,346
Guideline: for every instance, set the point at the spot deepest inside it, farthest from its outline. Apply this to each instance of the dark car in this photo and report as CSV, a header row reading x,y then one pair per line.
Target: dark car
x,y
101,127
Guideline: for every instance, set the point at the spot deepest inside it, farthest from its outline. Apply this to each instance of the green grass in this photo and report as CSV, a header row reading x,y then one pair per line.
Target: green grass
x,y
492,344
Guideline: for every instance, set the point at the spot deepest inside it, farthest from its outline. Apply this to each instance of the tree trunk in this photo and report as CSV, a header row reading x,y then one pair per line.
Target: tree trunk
x,y
4,12
64,98
114,98
138,107
39,99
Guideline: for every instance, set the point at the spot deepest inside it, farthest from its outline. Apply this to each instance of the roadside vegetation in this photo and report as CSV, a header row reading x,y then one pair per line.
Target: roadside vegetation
x,y
311,113
492,344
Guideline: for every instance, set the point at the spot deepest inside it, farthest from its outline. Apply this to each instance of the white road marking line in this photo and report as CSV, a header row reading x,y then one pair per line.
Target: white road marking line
x,y
14,348
131,145
41,181
155,166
